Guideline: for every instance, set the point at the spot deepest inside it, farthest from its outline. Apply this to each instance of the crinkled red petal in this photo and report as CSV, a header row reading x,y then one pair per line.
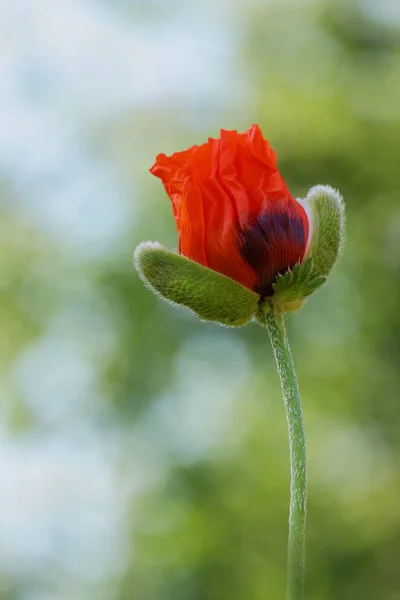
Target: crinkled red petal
x,y
232,208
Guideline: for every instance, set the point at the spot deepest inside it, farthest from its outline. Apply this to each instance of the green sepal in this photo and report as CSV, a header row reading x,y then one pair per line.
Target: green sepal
x,y
294,286
326,211
181,281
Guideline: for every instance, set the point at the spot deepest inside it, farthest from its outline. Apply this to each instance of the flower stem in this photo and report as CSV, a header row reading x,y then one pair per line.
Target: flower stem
x,y
298,461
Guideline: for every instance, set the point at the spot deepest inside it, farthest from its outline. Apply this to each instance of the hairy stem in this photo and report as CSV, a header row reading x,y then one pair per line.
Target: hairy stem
x,y
298,460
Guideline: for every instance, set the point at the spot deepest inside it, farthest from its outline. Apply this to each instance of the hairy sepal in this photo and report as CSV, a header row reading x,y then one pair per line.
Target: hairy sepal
x,y
293,287
326,208
183,282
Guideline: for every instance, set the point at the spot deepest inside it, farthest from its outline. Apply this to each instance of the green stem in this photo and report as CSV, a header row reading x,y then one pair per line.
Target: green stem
x,y
298,461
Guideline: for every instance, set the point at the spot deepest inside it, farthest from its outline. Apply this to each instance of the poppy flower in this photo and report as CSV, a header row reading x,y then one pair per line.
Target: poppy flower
x,y
233,210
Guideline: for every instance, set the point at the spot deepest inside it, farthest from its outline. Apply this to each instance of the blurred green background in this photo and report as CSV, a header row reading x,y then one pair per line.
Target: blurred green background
x,y
143,454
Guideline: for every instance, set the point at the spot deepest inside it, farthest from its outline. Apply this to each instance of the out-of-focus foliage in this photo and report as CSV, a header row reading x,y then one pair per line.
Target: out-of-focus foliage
x,y
143,454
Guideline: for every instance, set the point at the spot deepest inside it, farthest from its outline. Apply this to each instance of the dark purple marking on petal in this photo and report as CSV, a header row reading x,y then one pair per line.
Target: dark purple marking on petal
x,y
271,244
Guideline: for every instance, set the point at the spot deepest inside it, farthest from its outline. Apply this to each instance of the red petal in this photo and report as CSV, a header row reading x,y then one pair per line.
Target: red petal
x,y
232,208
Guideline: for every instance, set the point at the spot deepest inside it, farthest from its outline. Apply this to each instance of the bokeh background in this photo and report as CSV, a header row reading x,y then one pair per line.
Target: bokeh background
x,y
143,454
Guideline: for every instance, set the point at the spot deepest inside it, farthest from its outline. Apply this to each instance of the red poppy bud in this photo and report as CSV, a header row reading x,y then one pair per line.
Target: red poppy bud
x,y
233,211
